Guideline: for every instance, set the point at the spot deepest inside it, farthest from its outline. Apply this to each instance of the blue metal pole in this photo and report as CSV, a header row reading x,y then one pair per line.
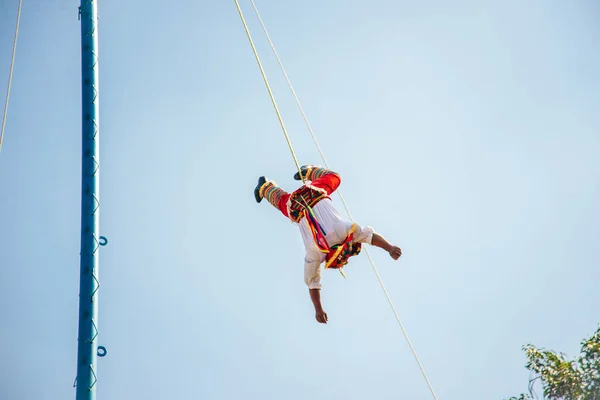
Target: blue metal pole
x,y
87,350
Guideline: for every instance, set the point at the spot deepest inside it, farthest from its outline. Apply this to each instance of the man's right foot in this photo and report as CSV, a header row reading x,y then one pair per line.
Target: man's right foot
x,y
257,195
305,171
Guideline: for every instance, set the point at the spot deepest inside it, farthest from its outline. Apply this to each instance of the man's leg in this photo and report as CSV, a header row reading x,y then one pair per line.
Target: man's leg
x,y
275,195
321,178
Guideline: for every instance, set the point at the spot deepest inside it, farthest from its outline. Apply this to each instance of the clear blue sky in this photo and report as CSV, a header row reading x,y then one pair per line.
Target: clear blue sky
x,y
467,133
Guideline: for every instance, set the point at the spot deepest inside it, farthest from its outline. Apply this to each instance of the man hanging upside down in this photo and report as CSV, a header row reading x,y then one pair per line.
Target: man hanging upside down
x,y
327,236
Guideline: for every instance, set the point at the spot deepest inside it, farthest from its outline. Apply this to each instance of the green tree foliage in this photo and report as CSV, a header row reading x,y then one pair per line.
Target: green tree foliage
x,y
563,379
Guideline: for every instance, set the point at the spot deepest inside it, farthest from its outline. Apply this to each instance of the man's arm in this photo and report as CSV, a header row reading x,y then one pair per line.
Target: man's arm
x,y
312,278
379,241
315,296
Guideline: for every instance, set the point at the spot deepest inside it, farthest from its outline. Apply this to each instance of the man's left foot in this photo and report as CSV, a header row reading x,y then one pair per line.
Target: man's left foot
x,y
257,196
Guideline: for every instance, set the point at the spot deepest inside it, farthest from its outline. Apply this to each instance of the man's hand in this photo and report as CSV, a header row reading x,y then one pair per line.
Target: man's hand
x,y
395,252
321,316
379,241
315,296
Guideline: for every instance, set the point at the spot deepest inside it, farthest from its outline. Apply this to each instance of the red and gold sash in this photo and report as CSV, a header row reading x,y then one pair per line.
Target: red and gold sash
x,y
336,256
300,206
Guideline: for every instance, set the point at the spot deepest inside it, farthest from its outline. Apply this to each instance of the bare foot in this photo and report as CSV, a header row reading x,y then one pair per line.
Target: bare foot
x,y
395,252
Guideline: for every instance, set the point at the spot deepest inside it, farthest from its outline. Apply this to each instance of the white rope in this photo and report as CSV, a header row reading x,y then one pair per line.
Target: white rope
x,y
343,201
264,75
12,63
